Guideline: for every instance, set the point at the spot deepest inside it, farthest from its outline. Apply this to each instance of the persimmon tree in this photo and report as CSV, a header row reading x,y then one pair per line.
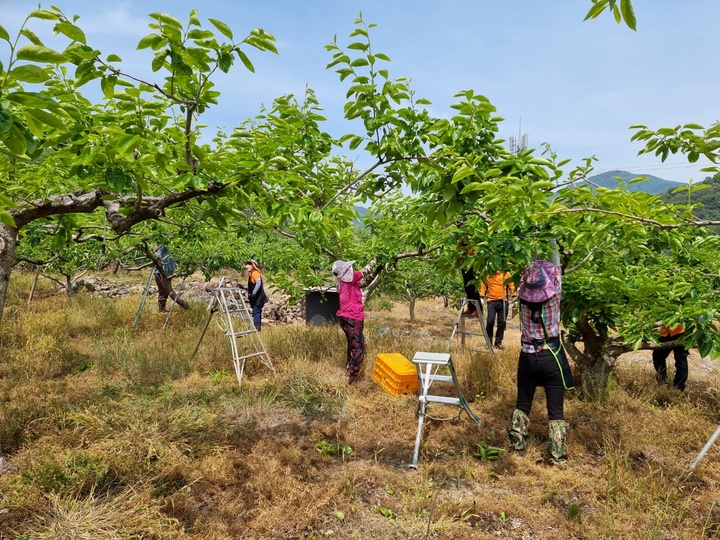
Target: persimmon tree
x,y
630,260
128,159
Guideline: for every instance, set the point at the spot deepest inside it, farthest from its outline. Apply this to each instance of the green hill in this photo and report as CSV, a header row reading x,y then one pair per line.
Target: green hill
x,y
708,197
652,185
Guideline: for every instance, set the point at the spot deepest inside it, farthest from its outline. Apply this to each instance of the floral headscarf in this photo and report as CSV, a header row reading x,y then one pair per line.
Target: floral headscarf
x,y
343,270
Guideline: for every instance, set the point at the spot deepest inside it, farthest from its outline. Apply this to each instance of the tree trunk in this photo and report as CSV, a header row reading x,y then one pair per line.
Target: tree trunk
x,y
595,374
595,362
8,241
412,309
172,294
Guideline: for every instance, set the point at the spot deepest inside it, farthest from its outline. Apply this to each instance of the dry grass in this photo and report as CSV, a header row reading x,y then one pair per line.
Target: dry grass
x,y
116,433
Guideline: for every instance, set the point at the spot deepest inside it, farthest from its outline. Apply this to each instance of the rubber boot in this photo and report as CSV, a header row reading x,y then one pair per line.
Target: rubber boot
x,y
557,446
518,432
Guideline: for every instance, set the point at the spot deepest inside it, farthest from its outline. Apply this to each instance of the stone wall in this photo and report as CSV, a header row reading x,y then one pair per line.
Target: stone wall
x,y
277,309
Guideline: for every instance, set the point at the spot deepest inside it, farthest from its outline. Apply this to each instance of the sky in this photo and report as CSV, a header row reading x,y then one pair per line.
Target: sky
x,y
576,85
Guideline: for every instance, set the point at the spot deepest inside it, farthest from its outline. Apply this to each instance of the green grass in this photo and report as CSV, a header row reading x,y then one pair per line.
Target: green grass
x,y
121,433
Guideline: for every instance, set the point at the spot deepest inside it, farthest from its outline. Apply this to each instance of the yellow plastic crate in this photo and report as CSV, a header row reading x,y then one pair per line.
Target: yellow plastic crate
x,y
395,373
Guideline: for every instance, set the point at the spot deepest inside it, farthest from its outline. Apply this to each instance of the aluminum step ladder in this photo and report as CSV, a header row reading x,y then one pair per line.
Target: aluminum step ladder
x,y
428,364
174,296
236,322
462,324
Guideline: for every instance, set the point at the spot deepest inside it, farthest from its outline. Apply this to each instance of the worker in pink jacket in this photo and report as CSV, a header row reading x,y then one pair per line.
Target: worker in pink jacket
x,y
351,314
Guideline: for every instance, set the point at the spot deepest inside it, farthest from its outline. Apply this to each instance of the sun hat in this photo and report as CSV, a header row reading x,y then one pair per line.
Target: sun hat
x,y
539,282
343,270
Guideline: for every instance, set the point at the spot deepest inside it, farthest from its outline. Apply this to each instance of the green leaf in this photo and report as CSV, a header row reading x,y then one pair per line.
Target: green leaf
x,y
29,73
159,61
225,61
628,13
107,84
167,19
46,118
127,143
5,120
39,53
71,31
14,140
472,186
245,60
114,58
597,9
222,27
197,33
704,348
147,41
28,140
44,14
4,35
462,172
116,178
7,219
32,36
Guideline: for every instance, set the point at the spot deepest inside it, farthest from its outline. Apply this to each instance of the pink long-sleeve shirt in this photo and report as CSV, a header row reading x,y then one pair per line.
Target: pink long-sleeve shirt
x,y
351,305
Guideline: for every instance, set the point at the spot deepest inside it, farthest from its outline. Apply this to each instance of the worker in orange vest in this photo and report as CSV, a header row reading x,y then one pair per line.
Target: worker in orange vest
x,y
681,354
497,290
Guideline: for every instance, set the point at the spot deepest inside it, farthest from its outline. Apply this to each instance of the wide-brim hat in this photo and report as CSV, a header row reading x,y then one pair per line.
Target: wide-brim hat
x,y
343,270
539,282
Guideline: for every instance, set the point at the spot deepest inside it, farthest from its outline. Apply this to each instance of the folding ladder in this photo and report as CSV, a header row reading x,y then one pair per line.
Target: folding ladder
x,y
425,363
459,328
176,294
229,301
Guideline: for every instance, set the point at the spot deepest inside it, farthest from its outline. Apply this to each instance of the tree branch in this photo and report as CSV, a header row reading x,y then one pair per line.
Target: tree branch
x,y
351,184
646,221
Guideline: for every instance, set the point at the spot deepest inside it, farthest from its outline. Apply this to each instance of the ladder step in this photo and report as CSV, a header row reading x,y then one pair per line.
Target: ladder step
x,y
243,357
243,333
444,399
431,358
439,378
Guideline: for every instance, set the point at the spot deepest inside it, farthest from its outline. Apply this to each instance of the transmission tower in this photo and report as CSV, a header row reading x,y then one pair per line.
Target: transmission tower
x,y
519,143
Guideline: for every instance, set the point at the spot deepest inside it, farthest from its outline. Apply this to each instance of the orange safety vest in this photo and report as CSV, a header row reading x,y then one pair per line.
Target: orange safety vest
x,y
496,285
665,331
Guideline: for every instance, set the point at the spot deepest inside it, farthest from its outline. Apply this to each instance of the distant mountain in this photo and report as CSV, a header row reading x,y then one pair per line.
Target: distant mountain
x,y
652,185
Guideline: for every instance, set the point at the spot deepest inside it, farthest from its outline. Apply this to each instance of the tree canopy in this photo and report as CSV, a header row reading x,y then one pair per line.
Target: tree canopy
x,y
76,171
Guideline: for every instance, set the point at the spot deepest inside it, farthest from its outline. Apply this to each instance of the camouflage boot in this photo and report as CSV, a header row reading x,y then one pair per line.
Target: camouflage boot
x,y
557,446
518,431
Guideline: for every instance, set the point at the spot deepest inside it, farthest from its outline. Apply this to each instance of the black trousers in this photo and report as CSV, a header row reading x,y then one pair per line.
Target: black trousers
x,y
681,362
497,309
540,369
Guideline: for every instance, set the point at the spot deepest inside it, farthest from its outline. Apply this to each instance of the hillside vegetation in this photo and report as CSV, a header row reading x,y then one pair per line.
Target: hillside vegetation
x,y
709,198
120,434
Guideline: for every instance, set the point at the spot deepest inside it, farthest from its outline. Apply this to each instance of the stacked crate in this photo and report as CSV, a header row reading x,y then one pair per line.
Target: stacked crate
x,y
395,373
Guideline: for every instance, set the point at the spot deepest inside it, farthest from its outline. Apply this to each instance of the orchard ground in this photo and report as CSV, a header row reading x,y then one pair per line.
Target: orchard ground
x,y
115,433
